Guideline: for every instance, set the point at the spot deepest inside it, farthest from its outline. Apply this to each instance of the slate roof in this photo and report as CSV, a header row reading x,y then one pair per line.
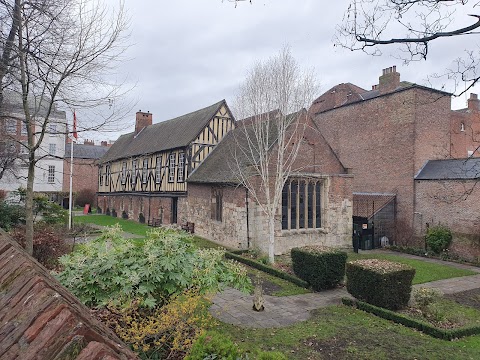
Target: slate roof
x,y
357,94
40,319
451,169
220,167
170,134
81,151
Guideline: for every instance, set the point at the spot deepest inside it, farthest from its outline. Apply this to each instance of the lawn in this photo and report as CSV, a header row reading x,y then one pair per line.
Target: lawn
x,y
340,332
134,227
425,271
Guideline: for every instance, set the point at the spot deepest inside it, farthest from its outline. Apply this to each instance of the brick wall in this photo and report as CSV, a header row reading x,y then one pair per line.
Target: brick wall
x,y
452,203
386,140
150,206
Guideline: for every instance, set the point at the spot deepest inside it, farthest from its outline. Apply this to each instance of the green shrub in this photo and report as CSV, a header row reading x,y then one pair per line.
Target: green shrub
x,y
322,268
113,269
11,215
379,282
423,297
438,238
213,345
52,213
85,196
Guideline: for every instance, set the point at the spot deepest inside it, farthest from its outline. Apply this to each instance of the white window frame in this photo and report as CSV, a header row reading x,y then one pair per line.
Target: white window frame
x,y
181,167
124,173
158,170
145,171
133,180
51,174
11,126
52,129
52,149
171,167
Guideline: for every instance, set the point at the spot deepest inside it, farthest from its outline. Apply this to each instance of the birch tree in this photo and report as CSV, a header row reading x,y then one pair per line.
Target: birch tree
x,y
58,53
272,102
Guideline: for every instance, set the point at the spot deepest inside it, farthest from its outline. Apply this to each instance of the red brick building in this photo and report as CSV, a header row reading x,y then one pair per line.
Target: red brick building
x,y
85,169
386,135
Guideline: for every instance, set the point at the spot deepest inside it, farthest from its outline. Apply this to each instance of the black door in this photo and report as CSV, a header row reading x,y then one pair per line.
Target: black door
x,y
174,210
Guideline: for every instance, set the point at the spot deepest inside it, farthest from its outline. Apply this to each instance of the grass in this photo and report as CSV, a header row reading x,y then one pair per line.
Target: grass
x,y
345,333
425,271
134,227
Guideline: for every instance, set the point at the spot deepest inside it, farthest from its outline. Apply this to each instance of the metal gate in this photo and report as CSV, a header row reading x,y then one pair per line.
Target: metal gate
x,y
374,219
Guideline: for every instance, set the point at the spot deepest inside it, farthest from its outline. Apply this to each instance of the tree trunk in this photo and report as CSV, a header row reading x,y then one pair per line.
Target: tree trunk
x,y
29,207
271,238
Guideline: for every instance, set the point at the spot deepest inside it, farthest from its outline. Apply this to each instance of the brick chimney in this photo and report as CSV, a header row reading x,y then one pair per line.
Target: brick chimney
x,y
142,120
88,142
473,102
103,143
389,81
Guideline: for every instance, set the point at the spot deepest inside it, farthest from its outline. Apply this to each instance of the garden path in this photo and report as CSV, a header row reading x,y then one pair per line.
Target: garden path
x,y
234,307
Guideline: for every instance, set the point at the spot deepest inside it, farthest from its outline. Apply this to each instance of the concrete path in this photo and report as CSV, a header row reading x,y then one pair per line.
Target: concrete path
x,y
234,307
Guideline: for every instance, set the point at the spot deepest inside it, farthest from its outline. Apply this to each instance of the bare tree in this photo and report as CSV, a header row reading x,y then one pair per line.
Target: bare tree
x,y
272,103
413,25
62,54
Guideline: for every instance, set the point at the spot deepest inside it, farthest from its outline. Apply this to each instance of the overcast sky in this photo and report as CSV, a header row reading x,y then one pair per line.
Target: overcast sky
x,y
188,54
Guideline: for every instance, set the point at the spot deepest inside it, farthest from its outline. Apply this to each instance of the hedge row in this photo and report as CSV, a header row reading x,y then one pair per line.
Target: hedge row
x,y
268,269
323,268
379,282
444,334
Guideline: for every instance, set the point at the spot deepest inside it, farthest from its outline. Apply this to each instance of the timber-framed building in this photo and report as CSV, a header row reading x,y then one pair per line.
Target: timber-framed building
x,y
143,175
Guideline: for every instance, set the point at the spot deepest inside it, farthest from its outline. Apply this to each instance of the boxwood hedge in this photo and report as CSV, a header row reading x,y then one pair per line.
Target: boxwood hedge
x,y
380,282
323,268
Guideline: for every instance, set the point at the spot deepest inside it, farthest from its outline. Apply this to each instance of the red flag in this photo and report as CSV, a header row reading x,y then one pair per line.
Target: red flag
x,y
75,135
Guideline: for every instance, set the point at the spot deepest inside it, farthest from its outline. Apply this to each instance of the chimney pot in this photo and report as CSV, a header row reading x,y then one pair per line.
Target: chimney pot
x,y
389,80
142,120
473,102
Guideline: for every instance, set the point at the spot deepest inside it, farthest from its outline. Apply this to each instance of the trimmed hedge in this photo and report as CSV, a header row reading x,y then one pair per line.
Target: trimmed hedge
x,y
444,334
380,282
323,268
268,269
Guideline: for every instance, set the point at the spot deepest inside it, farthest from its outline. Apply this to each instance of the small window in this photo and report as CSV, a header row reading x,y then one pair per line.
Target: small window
x,y
462,127
100,176
470,153
181,166
217,204
145,171
108,175
158,170
124,172
11,126
52,129
52,149
134,172
171,168
51,174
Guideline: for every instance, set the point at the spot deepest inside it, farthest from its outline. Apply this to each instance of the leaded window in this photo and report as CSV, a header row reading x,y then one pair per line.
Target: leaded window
x,y
217,204
181,166
302,204
171,168
145,171
124,172
134,172
158,170
51,174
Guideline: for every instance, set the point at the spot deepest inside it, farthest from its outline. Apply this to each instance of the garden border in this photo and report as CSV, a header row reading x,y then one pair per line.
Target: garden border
x,y
428,329
267,269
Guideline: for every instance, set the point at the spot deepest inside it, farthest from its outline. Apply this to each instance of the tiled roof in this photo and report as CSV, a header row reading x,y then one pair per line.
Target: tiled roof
x,y
40,319
222,165
81,151
450,169
170,134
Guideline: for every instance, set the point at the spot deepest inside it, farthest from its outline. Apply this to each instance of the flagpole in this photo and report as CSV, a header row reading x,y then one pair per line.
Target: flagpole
x,y
71,180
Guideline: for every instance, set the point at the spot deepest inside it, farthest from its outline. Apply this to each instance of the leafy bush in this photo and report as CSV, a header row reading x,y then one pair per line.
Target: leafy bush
x,y
379,282
48,244
166,332
11,215
113,269
438,238
423,297
85,196
51,212
321,267
213,345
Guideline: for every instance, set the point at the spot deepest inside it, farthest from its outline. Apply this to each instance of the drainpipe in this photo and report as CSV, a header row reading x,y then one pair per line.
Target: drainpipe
x,y
248,226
